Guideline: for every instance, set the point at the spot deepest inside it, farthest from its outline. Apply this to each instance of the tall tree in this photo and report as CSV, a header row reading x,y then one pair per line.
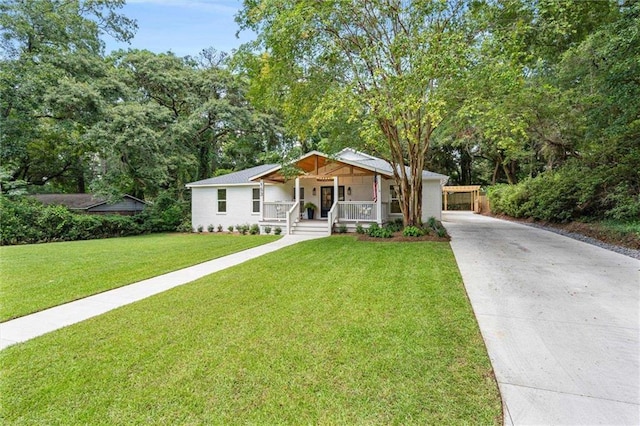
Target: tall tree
x,y
54,84
390,65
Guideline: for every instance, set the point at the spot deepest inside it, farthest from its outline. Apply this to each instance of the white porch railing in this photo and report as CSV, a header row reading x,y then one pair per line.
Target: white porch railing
x,y
292,214
385,211
277,210
357,211
332,216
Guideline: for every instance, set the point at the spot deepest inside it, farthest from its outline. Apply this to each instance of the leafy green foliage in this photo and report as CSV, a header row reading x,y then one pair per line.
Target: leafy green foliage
x,y
376,231
413,231
25,220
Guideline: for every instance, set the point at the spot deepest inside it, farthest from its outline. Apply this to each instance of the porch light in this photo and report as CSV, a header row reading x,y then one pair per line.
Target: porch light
x,y
349,191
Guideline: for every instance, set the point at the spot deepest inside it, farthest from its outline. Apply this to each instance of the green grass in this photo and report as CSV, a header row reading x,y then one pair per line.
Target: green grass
x,y
330,331
39,276
625,228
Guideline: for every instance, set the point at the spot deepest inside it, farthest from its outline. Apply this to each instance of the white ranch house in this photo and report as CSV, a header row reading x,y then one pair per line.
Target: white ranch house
x,y
350,188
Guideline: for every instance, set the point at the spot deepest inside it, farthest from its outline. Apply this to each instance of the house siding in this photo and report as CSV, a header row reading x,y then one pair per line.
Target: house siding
x,y
431,200
204,204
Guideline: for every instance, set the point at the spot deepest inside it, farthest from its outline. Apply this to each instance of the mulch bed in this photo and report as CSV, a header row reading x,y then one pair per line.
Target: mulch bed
x,y
398,237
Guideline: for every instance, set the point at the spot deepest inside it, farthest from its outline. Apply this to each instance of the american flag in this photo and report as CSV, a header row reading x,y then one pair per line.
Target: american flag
x,y
375,189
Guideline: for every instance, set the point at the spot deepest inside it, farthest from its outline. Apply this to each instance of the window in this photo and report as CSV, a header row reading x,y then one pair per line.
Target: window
x,y
341,193
256,200
394,202
222,200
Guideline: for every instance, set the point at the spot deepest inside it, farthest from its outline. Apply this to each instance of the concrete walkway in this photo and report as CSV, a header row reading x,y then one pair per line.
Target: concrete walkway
x,y
560,320
30,326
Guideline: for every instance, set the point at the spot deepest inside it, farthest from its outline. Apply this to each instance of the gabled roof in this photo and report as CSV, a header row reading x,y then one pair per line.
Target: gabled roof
x,y
76,201
349,157
309,162
241,177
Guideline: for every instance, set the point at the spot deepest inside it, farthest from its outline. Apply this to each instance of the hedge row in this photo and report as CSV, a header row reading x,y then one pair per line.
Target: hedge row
x,y
25,220
566,194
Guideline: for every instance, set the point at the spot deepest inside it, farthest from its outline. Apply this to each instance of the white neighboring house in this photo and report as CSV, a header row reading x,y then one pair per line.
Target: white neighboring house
x,y
349,188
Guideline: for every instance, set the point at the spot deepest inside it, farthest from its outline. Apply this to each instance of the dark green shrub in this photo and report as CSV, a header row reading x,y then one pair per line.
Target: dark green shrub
x,y
395,226
200,228
267,230
210,228
412,231
230,228
342,229
55,222
219,228
277,230
377,232
254,229
359,229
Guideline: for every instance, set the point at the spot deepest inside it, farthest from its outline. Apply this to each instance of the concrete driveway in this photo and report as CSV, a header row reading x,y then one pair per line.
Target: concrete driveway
x,y
560,320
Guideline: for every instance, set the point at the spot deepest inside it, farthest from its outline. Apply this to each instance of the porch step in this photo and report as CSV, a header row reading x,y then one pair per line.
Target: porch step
x,y
309,227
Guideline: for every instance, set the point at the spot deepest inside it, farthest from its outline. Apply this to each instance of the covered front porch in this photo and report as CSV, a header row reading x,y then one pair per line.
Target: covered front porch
x,y
343,193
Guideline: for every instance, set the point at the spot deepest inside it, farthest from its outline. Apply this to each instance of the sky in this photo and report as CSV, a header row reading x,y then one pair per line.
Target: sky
x,y
184,27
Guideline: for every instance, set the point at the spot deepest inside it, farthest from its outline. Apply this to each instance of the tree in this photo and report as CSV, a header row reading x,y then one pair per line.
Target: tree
x,y
389,65
54,85
177,120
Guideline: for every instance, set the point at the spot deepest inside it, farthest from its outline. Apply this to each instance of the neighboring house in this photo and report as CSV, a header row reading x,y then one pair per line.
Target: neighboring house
x,y
348,189
88,203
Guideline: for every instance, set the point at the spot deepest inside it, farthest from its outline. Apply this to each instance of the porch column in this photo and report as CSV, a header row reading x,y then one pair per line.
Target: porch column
x,y
297,191
378,179
335,188
261,200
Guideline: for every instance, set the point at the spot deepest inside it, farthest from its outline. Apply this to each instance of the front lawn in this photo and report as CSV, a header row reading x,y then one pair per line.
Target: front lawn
x,y
39,276
329,331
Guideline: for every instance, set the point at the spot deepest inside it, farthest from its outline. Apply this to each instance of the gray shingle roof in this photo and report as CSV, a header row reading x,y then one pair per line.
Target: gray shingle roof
x,y
235,178
380,164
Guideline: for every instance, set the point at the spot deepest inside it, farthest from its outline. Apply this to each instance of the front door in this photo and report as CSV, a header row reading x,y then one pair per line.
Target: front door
x,y
326,200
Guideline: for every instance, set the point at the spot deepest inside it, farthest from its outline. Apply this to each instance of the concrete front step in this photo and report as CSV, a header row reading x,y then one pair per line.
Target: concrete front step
x,y
309,228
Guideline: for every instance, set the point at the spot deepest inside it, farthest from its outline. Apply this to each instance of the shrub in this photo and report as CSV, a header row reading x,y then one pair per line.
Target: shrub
x,y
377,232
267,229
277,230
185,226
243,229
165,214
412,231
359,229
395,225
219,228
210,228
230,228
200,228
342,228
255,229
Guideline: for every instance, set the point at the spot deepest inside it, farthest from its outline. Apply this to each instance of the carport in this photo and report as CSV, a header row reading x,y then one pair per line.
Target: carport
x,y
459,196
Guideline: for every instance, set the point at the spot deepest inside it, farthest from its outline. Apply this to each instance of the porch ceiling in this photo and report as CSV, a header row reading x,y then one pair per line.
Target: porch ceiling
x,y
316,167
